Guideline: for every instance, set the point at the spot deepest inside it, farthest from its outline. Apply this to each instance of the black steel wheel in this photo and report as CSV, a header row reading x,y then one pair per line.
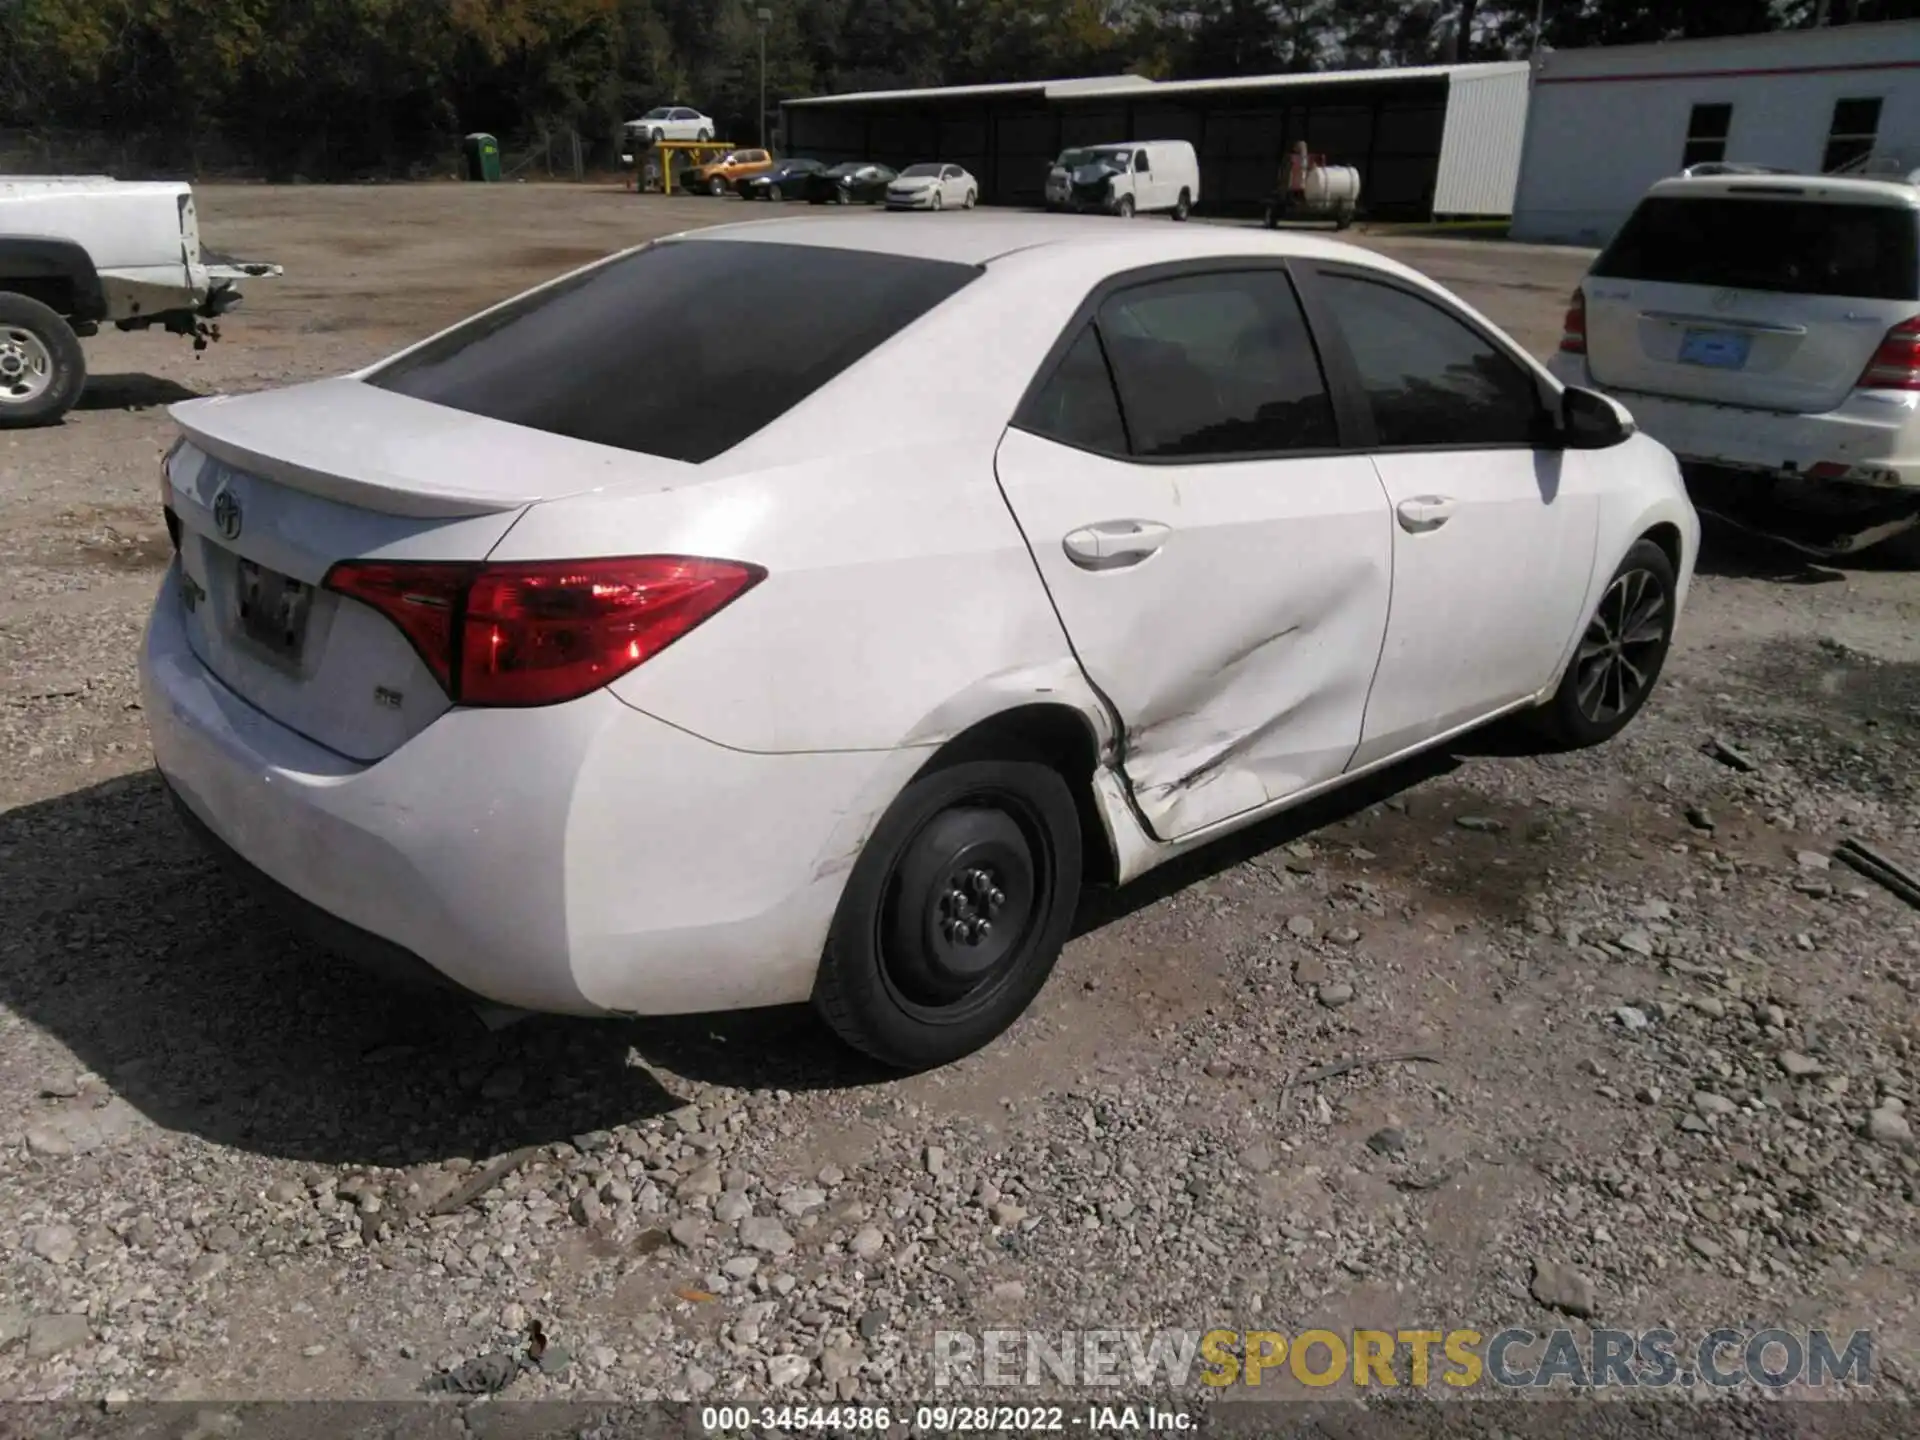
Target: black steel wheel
x,y
954,914
1620,654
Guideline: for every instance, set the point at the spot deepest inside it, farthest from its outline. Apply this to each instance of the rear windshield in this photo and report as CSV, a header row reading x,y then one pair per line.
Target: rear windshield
x,y
1799,246
681,350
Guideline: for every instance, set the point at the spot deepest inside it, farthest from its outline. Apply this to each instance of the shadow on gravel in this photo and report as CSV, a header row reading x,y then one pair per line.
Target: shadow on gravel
x,y
213,1015
132,392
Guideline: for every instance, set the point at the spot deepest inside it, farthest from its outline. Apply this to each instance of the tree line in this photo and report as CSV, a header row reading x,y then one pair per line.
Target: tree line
x,y
343,88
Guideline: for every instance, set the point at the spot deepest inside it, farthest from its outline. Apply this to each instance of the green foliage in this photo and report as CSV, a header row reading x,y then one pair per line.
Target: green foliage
x,y
333,88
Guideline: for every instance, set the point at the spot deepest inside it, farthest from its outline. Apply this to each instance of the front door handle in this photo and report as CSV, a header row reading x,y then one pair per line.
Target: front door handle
x,y
1424,512
1114,543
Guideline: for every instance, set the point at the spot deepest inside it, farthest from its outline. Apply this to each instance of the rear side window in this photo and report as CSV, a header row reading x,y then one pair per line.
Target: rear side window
x,y
1077,405
1216,365
1799,247
1429,379
681,350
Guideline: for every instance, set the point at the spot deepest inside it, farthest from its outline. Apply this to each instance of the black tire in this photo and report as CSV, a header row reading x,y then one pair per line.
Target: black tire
x,y
1638,601
656,136
716,187
1183,207
939,201
703,136
1125,208
42,367
898,981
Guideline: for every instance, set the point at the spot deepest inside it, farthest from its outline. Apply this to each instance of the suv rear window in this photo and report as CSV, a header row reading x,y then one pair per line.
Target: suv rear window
x,y
681,350
1801,247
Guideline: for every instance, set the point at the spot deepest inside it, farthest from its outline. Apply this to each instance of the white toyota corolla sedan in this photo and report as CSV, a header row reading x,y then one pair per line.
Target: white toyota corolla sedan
x,y
605,688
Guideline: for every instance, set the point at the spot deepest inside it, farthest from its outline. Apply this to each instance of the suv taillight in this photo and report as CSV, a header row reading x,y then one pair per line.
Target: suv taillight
x,y
1896,364
543,631
1573,330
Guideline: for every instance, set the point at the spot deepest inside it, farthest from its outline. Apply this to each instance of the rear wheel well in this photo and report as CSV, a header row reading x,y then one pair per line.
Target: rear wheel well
x,y
1667,537
53,291
1055,735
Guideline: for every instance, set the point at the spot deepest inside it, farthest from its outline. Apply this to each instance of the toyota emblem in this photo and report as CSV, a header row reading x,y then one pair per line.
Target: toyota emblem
x,y
226,514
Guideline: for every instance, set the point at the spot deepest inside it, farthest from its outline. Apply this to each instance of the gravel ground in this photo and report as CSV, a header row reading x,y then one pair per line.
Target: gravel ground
x,y
1671,1044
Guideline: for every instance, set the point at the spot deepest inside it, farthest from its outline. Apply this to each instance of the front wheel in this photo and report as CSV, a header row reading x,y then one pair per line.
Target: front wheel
x,y
1183,207
1620,653
973,199
939,201
42,367
704,136
656,136
954,914
716,187
1125,208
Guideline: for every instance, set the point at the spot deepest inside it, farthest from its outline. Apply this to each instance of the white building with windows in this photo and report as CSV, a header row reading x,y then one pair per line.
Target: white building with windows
x,y
1604,124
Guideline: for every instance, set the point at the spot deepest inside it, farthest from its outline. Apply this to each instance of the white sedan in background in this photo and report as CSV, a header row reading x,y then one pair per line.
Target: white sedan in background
x,y
933,187
599,698
672,122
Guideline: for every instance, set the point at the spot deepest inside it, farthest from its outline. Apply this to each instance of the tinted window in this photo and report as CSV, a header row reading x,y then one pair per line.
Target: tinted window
x,y
1740,243
1217,365
746,331
1140,161
1428,378
1077,405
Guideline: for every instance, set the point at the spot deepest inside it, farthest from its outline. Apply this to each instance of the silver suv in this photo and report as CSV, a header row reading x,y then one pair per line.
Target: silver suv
x,y
1766,329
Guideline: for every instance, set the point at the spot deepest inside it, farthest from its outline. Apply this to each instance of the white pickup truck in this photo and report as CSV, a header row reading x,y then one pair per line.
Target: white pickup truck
x,y
79,251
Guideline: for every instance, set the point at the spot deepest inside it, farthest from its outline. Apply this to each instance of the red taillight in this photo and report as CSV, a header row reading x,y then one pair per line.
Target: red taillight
x,y
545,631
1896,364
1573,330
424,600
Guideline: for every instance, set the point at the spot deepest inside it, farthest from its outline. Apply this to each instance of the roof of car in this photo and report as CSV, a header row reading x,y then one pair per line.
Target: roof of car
x,y
982,236
1839,189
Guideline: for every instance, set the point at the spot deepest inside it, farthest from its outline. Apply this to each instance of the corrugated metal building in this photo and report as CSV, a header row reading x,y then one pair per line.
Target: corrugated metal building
x,y
1606,123
1430,140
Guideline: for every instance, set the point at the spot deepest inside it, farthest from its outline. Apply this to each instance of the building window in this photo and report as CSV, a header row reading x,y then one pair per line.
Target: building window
x,y
1707,129
1856,124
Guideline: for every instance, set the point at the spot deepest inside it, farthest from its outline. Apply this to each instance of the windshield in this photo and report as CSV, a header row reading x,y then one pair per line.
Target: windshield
x,y
913,171
1800,247
849,169
1074,159
765,325
660,114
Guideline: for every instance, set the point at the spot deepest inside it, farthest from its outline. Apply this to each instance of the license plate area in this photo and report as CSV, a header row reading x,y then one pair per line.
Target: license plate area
x,y
273,609
1715,349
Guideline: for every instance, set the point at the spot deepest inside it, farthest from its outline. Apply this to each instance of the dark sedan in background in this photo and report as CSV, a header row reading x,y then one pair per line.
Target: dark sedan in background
x,y
857,182
787,180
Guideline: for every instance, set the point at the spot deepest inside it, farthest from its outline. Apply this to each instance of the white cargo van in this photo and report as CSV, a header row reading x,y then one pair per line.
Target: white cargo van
x,y
1121,179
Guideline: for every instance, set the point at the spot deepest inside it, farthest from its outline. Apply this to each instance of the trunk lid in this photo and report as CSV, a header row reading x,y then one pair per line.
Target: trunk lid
x,y
1767,295
272,489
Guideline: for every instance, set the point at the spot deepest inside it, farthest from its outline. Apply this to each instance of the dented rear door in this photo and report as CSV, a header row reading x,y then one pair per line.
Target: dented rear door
x,y
1230,608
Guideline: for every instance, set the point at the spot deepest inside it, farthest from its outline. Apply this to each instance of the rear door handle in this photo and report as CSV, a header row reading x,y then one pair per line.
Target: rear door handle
x,y
1112,544
1424,512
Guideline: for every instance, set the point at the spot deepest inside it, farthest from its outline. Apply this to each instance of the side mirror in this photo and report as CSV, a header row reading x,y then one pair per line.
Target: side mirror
x,y
1592,421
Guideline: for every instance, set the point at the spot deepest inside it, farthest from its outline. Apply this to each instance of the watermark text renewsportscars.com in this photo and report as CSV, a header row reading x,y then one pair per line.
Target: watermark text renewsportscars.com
x,y
1509,1359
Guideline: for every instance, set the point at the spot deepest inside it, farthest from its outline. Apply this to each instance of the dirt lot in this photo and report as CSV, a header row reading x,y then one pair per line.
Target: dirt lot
x,y
230,1166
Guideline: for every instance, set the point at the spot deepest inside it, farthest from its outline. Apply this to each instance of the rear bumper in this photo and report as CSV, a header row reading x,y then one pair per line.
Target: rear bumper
x,y
582,858
1875,434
